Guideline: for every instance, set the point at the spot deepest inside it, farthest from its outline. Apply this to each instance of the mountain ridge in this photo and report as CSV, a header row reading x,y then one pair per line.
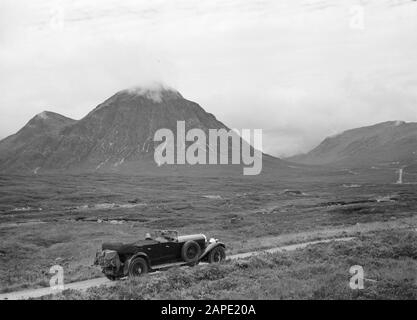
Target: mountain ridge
x,y
381,143
113,135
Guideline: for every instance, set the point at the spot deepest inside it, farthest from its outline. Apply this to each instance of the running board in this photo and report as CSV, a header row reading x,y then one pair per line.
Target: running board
x,y
169,265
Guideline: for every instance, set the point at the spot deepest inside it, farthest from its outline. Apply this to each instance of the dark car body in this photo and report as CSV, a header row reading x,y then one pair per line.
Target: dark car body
x,y
116,258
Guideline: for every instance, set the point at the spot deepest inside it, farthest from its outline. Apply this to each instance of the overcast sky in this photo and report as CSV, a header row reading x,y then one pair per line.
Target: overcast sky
x,y
300,70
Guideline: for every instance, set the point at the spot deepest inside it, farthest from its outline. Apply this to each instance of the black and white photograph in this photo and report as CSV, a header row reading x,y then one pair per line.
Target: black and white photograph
x,y
186,151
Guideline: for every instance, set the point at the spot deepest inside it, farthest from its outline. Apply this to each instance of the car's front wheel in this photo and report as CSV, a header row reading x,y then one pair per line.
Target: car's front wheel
x,y
217,255
138,267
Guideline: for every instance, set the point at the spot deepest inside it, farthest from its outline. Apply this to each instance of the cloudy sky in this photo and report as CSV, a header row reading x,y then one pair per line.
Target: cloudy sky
x,y
298,69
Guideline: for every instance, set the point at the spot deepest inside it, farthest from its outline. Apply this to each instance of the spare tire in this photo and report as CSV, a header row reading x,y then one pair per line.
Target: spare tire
x,y
190,251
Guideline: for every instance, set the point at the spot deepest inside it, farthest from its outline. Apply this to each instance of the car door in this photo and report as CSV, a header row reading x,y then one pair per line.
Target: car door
x,y
173,251
152,249
161,252
154,253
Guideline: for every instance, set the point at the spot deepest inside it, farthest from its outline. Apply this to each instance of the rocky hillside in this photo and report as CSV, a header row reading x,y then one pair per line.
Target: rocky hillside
x,y
34,143
116,135
393,142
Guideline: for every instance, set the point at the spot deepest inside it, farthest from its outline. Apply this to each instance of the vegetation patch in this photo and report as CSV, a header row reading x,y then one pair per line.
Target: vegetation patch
x,y
316,272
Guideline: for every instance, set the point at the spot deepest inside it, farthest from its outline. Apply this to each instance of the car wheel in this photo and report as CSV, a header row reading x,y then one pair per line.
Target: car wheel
x,y
138,267
190,251
217,255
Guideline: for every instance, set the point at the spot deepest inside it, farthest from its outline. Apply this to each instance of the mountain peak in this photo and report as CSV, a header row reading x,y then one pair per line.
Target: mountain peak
x,y
399,123
155,92
392,123
45,115
48,119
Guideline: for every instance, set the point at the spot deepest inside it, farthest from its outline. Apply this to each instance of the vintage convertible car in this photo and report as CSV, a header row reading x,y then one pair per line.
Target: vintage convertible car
x,y
162,250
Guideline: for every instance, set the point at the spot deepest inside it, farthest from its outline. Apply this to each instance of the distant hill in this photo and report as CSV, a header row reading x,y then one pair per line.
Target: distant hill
x,y
393,142
117,135
34,143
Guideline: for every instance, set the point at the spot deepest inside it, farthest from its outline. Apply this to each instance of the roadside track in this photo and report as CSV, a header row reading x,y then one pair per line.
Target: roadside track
x,y
86,284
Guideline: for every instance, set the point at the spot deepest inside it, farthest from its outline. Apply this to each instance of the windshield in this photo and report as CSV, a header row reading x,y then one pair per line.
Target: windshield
x,y
165,235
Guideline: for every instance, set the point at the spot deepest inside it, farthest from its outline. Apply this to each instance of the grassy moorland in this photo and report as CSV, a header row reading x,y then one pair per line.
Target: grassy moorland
x,y
63,219
389,260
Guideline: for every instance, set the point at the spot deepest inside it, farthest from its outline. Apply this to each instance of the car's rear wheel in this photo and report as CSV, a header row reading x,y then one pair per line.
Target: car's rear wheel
x,y
190,252
138,267
217,255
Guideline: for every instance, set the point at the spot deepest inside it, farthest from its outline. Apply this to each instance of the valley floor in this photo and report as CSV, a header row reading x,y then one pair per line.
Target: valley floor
x,y
321,271
50,220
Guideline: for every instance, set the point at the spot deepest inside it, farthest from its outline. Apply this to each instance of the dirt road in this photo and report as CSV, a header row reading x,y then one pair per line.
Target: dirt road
x,y
84,285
